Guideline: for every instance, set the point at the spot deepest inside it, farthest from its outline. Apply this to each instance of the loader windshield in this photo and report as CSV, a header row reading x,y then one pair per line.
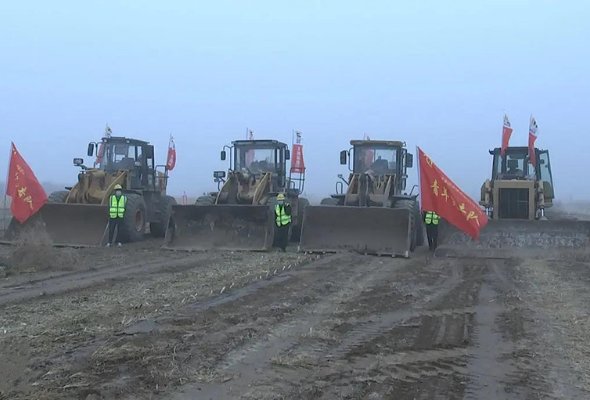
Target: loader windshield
x,y
118,156
380,160
257,160
515,165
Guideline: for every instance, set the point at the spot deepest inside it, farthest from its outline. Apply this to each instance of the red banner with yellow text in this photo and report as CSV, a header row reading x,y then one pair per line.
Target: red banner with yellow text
x,y
441,195
26,192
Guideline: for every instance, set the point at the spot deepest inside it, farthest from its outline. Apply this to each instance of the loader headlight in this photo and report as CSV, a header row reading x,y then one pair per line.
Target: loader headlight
x,y
219,174
78,161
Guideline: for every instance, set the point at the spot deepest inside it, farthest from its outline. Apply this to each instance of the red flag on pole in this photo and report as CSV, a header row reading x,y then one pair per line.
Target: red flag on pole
x,y
532,138
441,195
297,162
171,158
506,133
26,192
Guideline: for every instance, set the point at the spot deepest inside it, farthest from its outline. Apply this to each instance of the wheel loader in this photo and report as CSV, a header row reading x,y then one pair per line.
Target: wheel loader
x,y
516,199
240,215
373,215
78,215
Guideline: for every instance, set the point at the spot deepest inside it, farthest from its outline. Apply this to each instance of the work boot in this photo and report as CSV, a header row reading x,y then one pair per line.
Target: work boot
x,y
118,244
108,245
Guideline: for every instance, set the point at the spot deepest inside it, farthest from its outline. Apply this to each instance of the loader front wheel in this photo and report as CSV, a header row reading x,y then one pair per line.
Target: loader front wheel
x,y
133,225
158,228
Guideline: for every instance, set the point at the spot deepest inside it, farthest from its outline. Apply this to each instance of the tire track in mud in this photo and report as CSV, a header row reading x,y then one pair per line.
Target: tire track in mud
x,y
80,280
241,367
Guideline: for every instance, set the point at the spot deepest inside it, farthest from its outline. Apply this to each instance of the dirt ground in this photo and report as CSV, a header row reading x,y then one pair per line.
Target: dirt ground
x,y
144,323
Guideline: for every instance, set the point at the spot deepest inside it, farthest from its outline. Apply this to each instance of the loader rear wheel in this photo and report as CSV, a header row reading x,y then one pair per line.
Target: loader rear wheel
x,y
415,224
158,228
329,201
58,197
132,228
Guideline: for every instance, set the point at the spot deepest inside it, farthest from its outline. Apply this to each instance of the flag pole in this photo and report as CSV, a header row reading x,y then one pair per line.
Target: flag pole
x,y
419,180
5,204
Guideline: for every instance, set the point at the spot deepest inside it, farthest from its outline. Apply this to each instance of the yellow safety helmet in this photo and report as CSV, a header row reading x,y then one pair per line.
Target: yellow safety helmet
x,y
280,196
118,187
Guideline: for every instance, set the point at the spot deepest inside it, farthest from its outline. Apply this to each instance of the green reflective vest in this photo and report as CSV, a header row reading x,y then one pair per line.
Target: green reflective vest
x,y
117,209
431,218
281,218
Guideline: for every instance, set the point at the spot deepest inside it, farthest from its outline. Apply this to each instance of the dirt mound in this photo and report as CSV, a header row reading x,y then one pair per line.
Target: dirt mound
x,y
29,257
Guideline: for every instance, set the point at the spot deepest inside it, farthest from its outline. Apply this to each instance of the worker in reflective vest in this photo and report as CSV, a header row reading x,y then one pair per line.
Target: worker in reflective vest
x,y
117,203
431,220
282,222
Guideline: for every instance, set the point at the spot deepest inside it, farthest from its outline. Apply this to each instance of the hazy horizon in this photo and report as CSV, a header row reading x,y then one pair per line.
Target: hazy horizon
x,y
437,75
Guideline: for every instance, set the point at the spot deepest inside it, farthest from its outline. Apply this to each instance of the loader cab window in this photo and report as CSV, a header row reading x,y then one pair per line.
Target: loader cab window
x,y
121,156
257,160
379,160
514,165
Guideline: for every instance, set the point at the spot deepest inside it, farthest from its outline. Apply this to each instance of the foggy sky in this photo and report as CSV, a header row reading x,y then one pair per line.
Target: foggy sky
x,y
435,74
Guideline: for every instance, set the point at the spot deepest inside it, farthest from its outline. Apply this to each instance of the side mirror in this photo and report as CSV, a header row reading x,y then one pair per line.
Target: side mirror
x,y
223,155
219,174
90,151
287,155
343,157
78,161
409,160
149,150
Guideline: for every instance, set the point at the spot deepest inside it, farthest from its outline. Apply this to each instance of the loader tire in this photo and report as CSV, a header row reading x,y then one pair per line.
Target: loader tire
x,y
205,201
133,225
158,228
58,197
329,201
415,225
296,228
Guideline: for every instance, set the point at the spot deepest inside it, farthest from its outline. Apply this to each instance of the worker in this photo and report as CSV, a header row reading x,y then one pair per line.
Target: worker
x,y
282,222
117,204
431,220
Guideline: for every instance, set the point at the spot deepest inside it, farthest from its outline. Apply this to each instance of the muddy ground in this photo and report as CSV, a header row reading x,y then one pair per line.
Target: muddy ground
x,y
144,323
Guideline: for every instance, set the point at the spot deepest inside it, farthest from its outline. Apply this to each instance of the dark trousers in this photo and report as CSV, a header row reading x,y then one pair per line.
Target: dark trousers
x,y
281,236
114,223
432,234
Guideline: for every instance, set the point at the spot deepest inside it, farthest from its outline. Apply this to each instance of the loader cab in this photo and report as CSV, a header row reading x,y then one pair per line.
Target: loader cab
x,y
516,165
379,158
258,157
136,157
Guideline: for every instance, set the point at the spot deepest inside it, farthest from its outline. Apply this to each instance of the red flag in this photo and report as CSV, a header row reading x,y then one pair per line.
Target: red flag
x,y
23,187
171,158
441,195
532,138
297,163
506,133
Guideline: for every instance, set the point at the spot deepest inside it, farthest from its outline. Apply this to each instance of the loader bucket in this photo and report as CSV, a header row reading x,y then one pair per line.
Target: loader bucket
x,y
227,226
64,225
515,234
368,230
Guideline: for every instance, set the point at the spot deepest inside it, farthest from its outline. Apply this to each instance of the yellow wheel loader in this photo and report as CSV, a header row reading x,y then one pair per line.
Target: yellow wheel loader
x,y
516,199
79,214
373,215
240,216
